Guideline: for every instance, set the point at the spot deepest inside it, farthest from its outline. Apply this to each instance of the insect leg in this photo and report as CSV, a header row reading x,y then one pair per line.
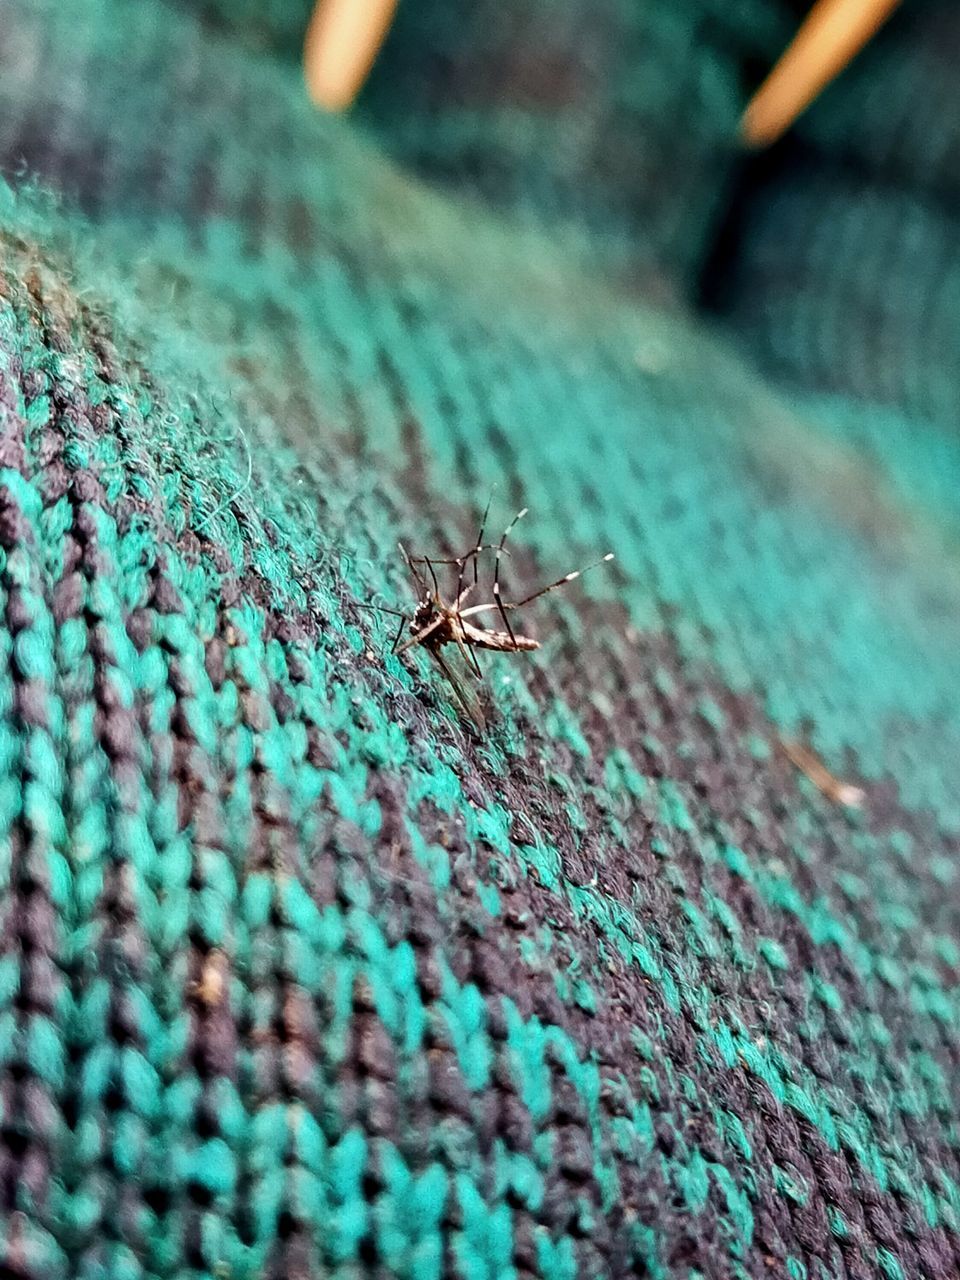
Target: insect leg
x,y
552,586
436,585
380,608
395,613
411,565
396,638
496,574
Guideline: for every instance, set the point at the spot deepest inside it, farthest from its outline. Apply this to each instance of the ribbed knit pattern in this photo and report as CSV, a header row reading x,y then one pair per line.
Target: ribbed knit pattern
x,y
303,976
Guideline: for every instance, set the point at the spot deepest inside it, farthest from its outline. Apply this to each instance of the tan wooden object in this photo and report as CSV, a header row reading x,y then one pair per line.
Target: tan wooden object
x,y
834,32
344,37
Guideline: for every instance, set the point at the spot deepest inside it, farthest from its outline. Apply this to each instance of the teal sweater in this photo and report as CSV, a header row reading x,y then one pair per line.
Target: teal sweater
x,y
302,974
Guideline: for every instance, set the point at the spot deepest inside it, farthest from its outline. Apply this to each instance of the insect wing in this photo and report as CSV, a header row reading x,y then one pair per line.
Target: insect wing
x,y
467,700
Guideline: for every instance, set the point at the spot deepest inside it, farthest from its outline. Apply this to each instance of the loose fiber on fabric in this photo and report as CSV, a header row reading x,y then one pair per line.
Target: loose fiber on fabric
x,y
301,975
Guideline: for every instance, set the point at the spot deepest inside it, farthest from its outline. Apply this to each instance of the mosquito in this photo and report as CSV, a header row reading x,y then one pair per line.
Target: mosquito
x,y
436,622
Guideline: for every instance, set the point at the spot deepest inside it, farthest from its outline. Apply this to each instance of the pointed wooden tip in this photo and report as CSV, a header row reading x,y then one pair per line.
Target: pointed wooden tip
x,y
342,42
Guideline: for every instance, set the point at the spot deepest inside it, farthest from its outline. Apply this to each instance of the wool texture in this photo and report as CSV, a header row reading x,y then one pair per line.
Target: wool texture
x,y
303,976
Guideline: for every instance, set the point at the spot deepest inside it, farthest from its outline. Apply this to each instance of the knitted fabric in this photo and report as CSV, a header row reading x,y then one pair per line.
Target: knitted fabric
x,y
302,975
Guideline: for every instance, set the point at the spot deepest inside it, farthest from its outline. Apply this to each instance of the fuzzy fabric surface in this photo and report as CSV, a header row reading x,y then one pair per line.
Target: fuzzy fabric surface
x,y
302,975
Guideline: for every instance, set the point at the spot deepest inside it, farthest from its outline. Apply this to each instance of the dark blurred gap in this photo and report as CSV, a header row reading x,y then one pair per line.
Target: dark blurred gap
x,y
749,184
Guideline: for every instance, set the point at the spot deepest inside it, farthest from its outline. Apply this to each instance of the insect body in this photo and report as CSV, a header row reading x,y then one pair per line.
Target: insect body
x,y
436,623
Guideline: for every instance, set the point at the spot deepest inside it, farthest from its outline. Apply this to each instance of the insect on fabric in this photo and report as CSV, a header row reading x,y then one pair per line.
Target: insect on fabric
x,y
437,623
